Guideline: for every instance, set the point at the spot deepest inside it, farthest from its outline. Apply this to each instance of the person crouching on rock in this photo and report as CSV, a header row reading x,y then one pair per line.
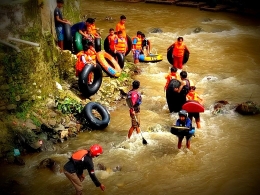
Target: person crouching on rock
x,y
80,160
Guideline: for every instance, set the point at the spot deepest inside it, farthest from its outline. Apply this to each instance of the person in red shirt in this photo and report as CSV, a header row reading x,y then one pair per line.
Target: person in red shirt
x,y
178,52
134,101
121,25
170,76
111,41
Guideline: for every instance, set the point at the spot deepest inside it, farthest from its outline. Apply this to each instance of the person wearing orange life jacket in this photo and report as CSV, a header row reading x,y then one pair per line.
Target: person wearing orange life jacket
x,y
192,95
120,26
79,161
120,43
170,76
111,40
178,52
93,28
135,99
137,46
88,56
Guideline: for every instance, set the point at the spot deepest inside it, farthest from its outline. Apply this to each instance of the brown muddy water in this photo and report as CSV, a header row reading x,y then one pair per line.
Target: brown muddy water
x,y
224,156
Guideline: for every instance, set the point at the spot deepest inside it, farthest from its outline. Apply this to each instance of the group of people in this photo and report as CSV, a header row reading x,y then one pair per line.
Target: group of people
x,y
117,38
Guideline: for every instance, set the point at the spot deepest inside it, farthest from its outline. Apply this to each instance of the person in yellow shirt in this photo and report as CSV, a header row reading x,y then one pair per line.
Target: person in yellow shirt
x,y
192,95
121,25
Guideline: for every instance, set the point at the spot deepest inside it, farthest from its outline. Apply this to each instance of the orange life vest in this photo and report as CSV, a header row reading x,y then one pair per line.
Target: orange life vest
x,y
178,50
169,77
121,27
121,45
138,45
93,29
79,64
91,53
111,40
79,155
193,96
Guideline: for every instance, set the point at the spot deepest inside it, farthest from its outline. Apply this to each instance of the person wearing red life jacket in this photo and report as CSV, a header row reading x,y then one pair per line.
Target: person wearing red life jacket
x,y
178,52
79,161
170,76
111,41
135,99
88,56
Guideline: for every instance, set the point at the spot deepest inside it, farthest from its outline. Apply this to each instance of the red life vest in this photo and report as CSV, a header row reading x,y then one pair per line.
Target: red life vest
x,y
178,50
79,64
79,155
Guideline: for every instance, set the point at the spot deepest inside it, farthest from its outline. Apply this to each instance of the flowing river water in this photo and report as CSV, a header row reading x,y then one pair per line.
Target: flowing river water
x,y
224,156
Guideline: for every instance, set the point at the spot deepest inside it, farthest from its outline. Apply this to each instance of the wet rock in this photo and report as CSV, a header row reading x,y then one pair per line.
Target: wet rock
x,y
248,108
117,168
155,30
50,164
101,167
197,30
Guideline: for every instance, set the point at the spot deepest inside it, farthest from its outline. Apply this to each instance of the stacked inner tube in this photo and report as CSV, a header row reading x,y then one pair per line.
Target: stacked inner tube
x,y
95,122
90,88
170,57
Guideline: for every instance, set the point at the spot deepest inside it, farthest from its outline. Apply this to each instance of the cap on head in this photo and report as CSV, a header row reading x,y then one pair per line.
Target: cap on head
x,y
96,150
183,113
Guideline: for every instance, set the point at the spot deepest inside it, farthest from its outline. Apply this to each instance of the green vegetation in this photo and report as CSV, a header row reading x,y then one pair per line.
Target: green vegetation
x,y
69,106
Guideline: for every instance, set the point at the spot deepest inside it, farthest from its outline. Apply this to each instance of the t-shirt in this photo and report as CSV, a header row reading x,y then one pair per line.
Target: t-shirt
x,y
57,12
78,26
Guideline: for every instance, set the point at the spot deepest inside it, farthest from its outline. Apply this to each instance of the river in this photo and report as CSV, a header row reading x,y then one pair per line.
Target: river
x,y
224,156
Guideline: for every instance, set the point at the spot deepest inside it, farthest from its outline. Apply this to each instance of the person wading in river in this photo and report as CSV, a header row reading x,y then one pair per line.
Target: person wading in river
x,y
135,101
80,160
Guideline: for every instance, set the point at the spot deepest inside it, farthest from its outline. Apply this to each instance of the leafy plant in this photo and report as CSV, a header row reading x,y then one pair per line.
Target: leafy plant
x,y
69,106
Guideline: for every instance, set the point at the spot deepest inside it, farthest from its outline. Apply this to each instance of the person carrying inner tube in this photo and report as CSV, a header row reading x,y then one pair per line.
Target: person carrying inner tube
x,y
178,52
184,121
137,46
170,76
120,43
192,95
121,25
85,57
79,161
146,45
59,21
135,99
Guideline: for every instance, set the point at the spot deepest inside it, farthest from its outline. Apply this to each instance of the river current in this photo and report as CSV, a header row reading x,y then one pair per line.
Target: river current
x,y
224,156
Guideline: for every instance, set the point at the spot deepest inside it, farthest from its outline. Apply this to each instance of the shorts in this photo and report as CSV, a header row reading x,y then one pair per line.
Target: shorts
x,y
196,115
59,32
137,54
133,121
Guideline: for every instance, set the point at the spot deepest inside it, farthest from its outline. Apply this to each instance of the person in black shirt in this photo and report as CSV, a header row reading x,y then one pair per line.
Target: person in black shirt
x,y
59,21
80,160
